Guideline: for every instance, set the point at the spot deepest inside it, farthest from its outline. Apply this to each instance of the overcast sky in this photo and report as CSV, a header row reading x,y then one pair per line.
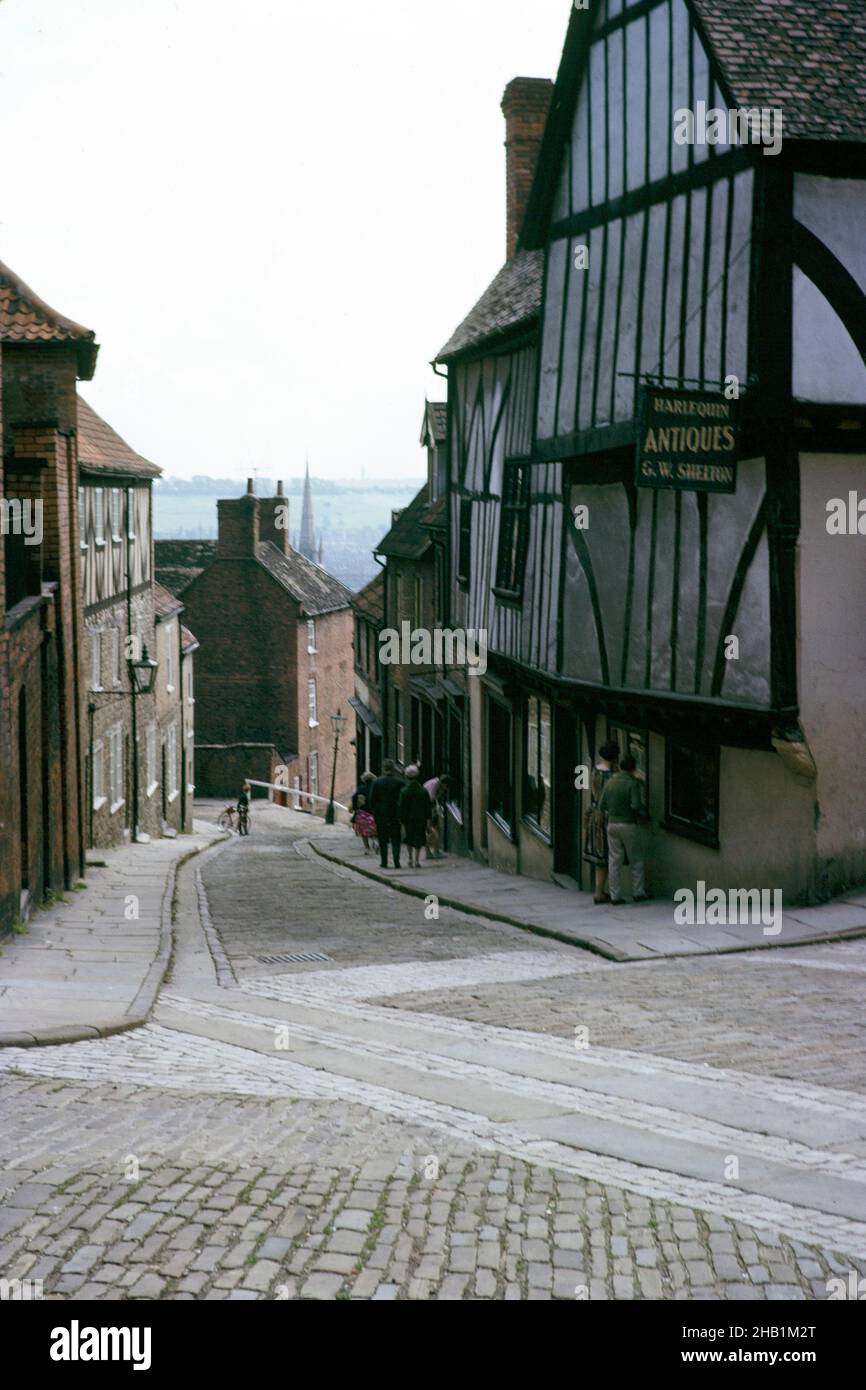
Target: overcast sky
x,y
273,213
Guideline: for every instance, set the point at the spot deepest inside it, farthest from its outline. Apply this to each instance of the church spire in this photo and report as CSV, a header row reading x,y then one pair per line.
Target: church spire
x,y
307,541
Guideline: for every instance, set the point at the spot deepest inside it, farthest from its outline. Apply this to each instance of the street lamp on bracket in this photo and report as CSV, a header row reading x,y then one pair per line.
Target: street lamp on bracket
x,y
337,722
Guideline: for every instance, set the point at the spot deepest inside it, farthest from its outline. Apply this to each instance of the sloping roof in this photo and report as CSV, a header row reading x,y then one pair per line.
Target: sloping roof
x,y
165,604
805,56
189,640
369,602
101,449
435,518
435,424
25,318
511,300
314,589
407,539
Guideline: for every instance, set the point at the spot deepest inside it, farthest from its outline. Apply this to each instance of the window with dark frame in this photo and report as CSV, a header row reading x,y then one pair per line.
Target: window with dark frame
x,y
464,554
692,790
500,774
537,765
513,527
635,742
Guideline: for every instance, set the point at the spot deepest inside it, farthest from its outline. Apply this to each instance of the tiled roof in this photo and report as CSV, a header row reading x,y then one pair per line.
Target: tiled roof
x,y
190,642
101,449
25,318
315,590
435,425
407,539
165,604
511,300
436,517
805,56
369,602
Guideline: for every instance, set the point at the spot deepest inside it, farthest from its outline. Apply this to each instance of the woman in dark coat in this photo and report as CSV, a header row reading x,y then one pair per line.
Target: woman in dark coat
x,y
416,810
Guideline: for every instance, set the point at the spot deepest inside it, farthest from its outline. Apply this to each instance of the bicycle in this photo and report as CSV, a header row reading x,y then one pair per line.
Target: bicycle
x,y
227,819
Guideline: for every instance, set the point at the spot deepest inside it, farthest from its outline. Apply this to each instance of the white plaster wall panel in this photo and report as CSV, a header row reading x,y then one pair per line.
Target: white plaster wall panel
x,y
550,338
695,299
715,290
835,210
636,135
593,291
624,386
668,356
827,366
571,343
660,131
615,108
607,344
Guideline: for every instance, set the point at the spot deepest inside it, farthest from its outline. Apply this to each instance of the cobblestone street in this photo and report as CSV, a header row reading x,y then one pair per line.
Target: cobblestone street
x,y
341,1095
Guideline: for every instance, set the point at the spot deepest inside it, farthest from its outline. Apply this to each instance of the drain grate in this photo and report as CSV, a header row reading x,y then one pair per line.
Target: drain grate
x,y
297,959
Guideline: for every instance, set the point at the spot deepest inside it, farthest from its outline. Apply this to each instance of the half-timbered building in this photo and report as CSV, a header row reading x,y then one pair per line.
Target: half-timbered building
x,y
692,246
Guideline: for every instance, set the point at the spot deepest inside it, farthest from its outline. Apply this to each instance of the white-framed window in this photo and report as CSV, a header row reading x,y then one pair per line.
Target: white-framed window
x,y
98,775
150,759
311,636
99,514
82,518
95,660
169,636
314,775
115,767
312,702
130,529
171,770
116,515
114,654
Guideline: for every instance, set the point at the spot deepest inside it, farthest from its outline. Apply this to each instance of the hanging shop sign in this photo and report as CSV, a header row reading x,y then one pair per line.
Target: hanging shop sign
x,y
687,440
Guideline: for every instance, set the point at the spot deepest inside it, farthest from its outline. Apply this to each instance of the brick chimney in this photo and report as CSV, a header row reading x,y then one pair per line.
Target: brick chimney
x,y
274,520
238,526
525,105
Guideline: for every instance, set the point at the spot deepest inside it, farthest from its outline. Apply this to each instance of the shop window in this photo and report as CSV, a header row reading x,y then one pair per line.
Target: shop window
x,y
513,528
537,765
692,790
500,778
635,742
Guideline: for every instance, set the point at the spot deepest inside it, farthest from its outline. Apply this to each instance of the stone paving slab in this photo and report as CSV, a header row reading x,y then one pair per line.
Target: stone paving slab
x,y
637,931
71,976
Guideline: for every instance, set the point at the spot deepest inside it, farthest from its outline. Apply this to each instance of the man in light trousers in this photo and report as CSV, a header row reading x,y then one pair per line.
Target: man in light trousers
x,y
623,803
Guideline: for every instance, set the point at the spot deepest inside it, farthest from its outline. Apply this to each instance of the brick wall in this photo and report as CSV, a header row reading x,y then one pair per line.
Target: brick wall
x,y
525,105
246,666
332,667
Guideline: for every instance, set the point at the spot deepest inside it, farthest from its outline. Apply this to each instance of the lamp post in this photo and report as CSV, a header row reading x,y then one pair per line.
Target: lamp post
x,y
142,674
337,722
